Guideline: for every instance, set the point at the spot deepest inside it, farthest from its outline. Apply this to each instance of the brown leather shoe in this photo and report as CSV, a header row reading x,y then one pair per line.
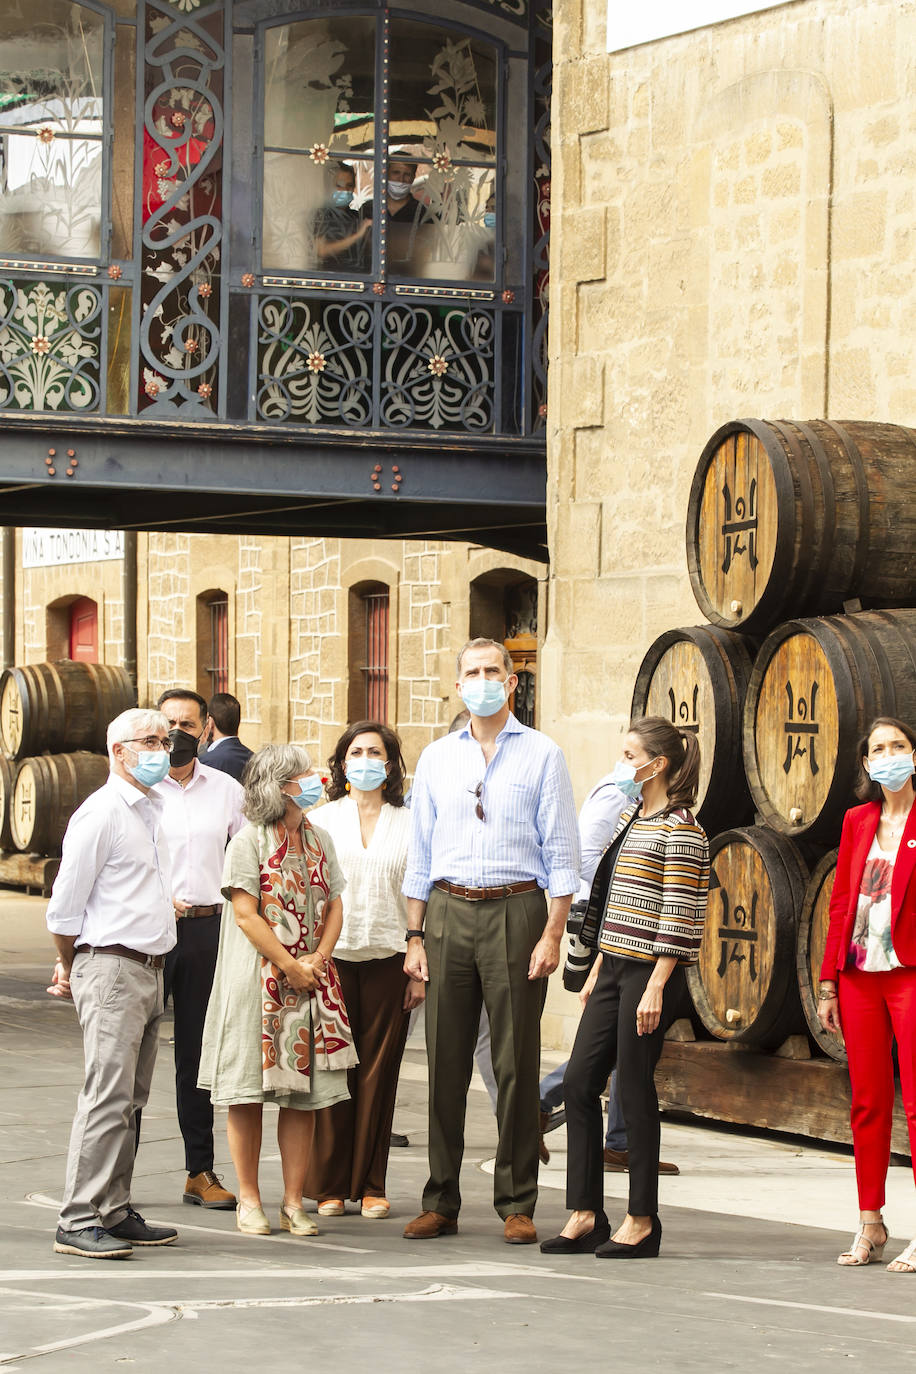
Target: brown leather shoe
x,y
519,1230
430,1224
617,1162
206,1190
543,1152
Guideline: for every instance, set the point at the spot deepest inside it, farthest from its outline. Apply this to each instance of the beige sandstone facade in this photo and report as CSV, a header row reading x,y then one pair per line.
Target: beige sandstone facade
x,y
290,640
733,234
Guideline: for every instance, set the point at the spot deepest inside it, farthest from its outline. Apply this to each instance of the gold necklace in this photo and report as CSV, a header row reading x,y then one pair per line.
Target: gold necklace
x,y
895,828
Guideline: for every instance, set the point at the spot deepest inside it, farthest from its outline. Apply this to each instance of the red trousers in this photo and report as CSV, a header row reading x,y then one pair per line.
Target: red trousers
x,y
875,1008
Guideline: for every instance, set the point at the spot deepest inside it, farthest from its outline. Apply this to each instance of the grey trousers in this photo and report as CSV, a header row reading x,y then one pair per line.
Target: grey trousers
x,y
478,953
119,1004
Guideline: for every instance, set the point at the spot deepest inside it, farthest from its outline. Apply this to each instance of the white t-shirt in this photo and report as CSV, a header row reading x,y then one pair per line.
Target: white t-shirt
x,y
871,948
374,910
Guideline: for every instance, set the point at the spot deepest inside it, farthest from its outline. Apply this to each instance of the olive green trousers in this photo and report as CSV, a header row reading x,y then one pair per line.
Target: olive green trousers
x,y
479,952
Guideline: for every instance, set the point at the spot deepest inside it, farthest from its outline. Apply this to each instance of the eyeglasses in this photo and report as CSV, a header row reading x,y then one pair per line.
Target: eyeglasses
x,y
478,809
150,742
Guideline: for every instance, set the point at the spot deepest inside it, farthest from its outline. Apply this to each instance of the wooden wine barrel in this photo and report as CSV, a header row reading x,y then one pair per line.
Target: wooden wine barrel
x,y
697,678
53,707
47,791
745,987
815,688
6,797
812,937
789,519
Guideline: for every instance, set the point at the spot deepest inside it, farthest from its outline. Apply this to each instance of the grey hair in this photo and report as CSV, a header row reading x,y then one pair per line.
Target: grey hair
x,y
265,774
133,724
481,643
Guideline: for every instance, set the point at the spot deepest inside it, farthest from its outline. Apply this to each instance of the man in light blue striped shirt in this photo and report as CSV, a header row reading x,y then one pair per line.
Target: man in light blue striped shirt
x,y
493,829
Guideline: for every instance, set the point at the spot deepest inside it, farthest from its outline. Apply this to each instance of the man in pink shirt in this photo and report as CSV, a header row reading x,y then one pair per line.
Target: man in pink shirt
x,y
202,810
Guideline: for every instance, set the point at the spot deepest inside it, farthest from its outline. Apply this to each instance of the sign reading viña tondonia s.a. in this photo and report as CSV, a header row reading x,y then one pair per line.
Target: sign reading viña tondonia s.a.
x,y
629,24
52,548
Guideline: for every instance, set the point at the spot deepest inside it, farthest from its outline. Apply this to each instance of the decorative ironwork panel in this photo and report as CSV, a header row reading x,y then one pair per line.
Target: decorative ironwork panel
x,y
182,308
50,345
437,368
315,361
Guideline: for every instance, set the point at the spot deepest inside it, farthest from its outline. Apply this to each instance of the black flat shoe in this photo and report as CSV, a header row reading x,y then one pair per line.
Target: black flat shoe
x,y
579,1245
647,1248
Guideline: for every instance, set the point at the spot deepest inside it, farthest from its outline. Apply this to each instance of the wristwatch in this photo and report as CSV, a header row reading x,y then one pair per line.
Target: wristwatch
x,y
414,935
826,991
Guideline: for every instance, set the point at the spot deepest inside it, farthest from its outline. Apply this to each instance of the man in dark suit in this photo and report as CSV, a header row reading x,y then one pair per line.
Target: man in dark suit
x,y
225,750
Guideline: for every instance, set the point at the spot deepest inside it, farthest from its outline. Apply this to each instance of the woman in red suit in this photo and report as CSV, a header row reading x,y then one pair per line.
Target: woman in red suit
x,y
868,977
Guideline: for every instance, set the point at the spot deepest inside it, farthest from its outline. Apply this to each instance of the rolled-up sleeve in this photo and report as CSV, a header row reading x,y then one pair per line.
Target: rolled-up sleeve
x,y
86,849
417,881
558,828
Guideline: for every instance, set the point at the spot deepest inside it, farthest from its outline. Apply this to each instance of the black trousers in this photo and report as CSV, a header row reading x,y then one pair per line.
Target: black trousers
x,y
189,970
607,1037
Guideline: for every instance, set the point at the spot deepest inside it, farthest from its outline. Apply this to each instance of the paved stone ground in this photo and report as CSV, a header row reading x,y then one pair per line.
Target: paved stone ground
x,y
738,1286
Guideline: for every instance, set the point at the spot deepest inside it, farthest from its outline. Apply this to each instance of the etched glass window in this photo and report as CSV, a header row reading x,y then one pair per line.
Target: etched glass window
x,y
51,109
319,132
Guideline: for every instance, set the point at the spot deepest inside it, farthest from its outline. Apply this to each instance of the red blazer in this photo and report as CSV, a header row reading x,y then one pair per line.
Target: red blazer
x,y
859,828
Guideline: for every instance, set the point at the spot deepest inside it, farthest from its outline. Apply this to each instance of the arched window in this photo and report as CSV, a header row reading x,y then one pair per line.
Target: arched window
x,y
212,642
504,607
368,651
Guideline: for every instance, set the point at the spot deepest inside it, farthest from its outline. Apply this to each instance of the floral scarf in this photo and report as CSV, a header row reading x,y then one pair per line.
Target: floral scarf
x,y
300,1031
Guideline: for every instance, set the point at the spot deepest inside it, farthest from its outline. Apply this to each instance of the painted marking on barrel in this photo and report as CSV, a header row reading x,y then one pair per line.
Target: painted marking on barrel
x,y
816,1307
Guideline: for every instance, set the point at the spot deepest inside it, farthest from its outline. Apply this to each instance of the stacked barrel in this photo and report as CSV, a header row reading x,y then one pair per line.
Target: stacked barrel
x,y
53,719
793,528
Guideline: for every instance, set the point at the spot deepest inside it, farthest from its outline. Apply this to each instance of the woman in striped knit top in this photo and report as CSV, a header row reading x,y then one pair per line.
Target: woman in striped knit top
x,y
649,925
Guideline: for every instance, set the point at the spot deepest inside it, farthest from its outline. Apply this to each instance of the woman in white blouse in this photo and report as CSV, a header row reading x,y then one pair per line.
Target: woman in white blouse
x,y
369,824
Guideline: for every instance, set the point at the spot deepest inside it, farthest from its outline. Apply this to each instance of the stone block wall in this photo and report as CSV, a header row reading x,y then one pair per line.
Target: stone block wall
x,y
732,237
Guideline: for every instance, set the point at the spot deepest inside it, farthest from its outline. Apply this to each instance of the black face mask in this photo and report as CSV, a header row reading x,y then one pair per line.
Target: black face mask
x,y
184,747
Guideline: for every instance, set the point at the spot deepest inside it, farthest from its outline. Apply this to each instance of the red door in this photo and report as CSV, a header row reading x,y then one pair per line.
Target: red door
x,y
84,631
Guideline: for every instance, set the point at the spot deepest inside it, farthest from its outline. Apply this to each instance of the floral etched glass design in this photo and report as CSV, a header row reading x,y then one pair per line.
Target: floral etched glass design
x,y
443,115
319,113
51,109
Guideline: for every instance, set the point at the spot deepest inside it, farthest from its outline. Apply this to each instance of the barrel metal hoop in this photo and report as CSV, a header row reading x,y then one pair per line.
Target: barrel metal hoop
x,y
857,466
820,567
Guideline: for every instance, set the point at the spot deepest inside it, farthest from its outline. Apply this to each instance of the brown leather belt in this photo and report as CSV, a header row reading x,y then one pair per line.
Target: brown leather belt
x,y
213,910
122,951
485,894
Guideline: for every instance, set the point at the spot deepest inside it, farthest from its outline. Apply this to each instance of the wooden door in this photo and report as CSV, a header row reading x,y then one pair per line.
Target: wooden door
x,y
84,630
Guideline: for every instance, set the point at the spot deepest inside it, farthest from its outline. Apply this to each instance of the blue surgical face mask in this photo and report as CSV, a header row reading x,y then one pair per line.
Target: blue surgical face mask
x,y
310,790
366,774
151,766
892,772
489,219
624,778
484,696
341,198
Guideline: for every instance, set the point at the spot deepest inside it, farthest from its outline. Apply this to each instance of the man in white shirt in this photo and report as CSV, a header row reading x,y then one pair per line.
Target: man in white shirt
x,y
202,810
112,920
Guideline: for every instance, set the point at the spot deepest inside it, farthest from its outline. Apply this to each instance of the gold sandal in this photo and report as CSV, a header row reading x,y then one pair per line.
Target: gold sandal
x,y
908,1258
851,1258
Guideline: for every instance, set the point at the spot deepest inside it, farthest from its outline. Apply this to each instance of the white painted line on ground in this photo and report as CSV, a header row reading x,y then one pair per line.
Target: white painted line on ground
x,y
816,1307
153,1315
149,1273
436,1292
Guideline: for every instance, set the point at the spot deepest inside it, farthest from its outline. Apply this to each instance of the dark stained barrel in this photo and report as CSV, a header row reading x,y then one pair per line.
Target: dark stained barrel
x,y
53,707
745,987
788,518
697,678
47,791
815,688
7,773
812,937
